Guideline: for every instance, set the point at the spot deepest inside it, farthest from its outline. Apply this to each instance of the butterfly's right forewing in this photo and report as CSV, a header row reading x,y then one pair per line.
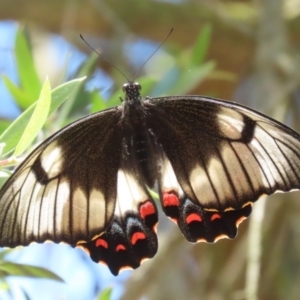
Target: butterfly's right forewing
x,y
219,157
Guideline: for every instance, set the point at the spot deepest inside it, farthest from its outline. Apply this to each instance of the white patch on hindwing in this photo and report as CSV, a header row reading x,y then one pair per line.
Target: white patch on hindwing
x,y
52,159
129,193
169,180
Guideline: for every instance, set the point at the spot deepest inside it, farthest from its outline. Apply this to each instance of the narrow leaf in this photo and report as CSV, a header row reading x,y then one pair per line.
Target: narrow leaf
x,y
2,145
19,95
15,269
37,119
13,133
29,79
201,46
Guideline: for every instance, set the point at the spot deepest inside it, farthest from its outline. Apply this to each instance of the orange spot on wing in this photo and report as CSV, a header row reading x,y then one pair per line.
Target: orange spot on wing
x,y
170,199
215,217
101,243
120,247
137,236
147,209
193,217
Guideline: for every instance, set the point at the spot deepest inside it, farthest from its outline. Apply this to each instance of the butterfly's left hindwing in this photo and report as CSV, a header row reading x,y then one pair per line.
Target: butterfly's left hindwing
x,y
131,237
218,158
66,189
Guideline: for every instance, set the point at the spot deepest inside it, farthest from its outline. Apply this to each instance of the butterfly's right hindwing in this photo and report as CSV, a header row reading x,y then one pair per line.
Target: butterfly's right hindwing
x,y
66,189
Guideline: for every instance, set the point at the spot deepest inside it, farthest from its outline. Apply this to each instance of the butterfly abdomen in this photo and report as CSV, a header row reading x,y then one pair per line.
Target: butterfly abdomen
x,y
142,148
139,142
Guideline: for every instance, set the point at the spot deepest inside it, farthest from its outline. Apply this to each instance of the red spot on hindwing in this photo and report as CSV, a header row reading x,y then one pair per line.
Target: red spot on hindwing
x,y
147,209
120,247
137,236
170,199
215,217
101,243
193,217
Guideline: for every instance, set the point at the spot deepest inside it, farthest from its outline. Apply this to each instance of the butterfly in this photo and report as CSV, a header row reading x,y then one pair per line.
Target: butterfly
x,y
89,184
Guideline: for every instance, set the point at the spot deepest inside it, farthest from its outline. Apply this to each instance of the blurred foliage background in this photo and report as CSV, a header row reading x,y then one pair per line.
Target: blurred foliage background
x,y
244,51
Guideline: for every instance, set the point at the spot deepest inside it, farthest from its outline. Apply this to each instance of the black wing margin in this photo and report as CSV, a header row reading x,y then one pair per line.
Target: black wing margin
x,y
219,157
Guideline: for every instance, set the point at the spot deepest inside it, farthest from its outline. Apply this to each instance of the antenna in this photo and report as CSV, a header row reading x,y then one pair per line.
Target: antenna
x,y
107,60
138,71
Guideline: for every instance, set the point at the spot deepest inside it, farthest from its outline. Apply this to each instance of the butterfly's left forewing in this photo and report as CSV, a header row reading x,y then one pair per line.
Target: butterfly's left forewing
x,y
218,158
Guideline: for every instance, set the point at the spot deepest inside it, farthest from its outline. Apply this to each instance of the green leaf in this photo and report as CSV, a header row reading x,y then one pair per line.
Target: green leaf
x,y
201,46
2,145
13,133
4,124
29,79
37,120
14,269
105,294
153,194
18,94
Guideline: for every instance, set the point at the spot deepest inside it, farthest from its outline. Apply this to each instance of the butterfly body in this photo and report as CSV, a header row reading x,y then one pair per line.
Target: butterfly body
x,y
88,184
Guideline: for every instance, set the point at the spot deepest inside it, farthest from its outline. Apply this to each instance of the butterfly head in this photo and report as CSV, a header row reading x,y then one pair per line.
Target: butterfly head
x,y
132,92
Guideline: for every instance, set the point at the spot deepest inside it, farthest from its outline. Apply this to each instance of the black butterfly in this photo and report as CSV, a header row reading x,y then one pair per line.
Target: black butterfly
x,y
88,184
